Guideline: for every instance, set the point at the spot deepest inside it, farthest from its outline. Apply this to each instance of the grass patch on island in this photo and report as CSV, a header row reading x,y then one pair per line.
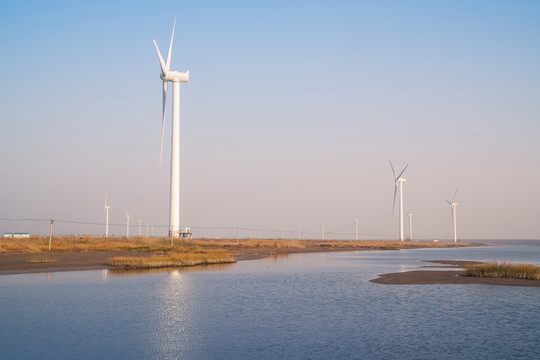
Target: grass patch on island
x,y
191,257
495,269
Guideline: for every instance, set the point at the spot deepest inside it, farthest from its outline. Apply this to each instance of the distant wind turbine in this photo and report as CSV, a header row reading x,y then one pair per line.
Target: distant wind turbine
x,y
398,181
453,206
107,207
356,229
176,78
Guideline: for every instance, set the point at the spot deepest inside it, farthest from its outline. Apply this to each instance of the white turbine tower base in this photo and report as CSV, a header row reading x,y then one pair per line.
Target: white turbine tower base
x,y
398,181
355,229
176,78
410,215
127,224
107,207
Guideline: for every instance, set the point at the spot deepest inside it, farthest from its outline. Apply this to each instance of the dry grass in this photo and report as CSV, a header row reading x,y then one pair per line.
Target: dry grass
x,y
192,257
39,244
334,244
495,269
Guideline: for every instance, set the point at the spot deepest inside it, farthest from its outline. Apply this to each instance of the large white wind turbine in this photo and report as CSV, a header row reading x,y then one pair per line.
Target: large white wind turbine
x,y
176,78
398,181
453,206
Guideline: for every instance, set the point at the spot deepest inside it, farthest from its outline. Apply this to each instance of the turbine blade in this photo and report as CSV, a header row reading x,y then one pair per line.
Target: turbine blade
x,y
394,203
164,69
392,166
165,83
449,203
454,198
170,47
403,171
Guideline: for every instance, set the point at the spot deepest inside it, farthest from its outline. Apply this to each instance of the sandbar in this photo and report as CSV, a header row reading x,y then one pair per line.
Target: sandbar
x,y
429,277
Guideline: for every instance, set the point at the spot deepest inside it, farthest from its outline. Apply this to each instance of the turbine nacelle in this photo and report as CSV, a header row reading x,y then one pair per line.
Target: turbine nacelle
x,y
175,76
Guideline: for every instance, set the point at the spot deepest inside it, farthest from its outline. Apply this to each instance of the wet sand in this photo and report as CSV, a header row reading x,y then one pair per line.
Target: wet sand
x,y
56,261
427,277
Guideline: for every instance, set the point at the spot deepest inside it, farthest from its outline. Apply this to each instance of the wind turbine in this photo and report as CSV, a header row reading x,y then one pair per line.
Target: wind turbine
x,y
398,180
356,229
176,78
453,206
107,207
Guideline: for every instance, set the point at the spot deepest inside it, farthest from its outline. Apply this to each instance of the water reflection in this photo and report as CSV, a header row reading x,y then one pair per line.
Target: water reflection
x,y
131,272
174,332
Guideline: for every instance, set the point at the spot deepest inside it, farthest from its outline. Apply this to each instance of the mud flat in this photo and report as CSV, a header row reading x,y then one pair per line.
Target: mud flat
x,y
456,276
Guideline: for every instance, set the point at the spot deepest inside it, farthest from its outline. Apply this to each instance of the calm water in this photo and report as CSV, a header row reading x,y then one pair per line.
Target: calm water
x,y
312,306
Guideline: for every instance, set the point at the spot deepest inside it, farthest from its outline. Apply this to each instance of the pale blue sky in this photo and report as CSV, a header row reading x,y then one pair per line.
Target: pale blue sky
x,y
290,116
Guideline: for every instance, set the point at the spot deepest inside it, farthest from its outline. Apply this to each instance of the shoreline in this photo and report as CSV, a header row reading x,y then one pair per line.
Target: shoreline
x,y
447,277
12,263
21,263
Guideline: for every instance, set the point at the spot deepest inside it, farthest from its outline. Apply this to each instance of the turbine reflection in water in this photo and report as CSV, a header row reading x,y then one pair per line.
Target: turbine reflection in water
x,y
175,333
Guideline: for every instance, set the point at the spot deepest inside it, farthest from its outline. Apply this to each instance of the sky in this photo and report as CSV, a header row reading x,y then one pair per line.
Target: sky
x,y
290,117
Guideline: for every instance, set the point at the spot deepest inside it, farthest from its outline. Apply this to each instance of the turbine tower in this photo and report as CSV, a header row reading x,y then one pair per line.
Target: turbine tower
x,y
453,206
398,181
410,215
176,78
356,229
107,207
127,224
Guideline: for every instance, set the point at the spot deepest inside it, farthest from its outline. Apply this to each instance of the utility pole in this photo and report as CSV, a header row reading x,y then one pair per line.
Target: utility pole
x,y
299,232
322,231
50,233
356,229
236,235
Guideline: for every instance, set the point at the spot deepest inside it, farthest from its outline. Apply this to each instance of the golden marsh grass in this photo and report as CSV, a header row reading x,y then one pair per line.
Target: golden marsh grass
x,y
190,257
495,269
40,244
